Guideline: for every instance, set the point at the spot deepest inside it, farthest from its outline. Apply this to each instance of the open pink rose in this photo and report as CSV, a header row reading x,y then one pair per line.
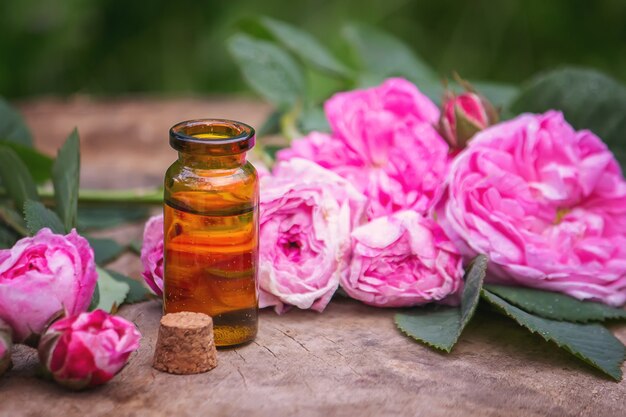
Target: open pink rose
x,y
89,349
384,143
5,347
306,215
152,254
402,260
546,203
42,277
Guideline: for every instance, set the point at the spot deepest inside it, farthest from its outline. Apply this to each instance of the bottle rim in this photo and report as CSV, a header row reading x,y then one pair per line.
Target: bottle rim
x,y
232,137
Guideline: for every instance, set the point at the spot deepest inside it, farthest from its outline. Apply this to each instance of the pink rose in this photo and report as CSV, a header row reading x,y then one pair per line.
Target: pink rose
x,y
384,143
88,349
152,254
402,260
42,277
546,203
5,347
463,116
306,215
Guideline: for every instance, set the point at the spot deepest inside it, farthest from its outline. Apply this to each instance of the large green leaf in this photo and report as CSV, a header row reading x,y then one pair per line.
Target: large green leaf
x,y
12,126
13,220
106,250
66,177
305,46
137,293
588,98
441,327
38,216
112,292
16,178
552,305
381,55
38,164
592,343
269,70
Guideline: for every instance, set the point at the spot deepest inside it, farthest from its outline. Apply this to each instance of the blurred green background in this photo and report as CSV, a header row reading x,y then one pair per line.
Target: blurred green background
x,y
112,46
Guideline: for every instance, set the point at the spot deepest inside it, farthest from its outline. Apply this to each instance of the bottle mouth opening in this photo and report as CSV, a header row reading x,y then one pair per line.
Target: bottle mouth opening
x,y
212,137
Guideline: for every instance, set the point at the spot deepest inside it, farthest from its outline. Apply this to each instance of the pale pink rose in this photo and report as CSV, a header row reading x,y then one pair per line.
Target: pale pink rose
x,y
5,347
42,277
384,143
402,260
463,116
306,216
547,204
89,349
152,254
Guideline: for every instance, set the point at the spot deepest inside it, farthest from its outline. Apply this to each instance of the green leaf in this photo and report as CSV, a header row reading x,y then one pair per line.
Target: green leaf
x,y
16,179
271,125
106,250
112,292
138,291
12,126
305,46
269,70
589,100
38,216
441,327
95,298
66,177
102,217
592,343
381,55
555,306
38,164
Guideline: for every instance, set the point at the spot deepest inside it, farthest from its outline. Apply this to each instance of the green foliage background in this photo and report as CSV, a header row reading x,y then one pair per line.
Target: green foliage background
x,y
115,46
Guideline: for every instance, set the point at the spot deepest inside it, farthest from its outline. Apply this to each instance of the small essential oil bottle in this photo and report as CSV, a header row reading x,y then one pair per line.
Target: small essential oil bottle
x,y
211,227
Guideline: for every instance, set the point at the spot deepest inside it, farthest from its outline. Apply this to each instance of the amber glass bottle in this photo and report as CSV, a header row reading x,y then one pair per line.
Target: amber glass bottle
x,y
211,227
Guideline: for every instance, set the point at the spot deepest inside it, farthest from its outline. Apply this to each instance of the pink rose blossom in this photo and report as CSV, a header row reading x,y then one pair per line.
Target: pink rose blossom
x,y
546,203
384,143
42,277
152,254
306,215
402,260
463,116
88,349
5,347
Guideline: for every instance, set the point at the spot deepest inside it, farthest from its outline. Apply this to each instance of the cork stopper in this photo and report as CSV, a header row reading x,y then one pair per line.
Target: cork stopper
x,y
185,344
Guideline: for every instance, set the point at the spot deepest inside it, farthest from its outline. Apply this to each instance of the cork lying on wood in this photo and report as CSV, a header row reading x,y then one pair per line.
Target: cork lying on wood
x,y
185,344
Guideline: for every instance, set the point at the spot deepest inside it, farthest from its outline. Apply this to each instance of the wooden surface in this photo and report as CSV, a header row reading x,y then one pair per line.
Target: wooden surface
x,y
350,360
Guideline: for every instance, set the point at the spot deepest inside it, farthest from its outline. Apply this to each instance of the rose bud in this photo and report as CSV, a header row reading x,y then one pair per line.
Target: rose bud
x,y
5,347
152,254
463,116
42,278
87,350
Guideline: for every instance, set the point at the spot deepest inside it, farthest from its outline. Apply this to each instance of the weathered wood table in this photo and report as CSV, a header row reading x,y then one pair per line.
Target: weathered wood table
x,y
350,360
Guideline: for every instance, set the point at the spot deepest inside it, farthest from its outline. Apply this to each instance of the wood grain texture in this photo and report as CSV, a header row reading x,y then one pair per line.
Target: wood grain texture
x,y
350,360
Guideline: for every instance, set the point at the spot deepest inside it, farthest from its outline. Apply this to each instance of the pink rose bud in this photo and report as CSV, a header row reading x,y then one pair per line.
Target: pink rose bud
x,y
152,254
306,216
44,277
87,350
5,347
463,116
402,260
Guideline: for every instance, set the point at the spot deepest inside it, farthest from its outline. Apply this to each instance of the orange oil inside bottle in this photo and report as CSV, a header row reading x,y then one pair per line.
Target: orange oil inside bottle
x,y
210,261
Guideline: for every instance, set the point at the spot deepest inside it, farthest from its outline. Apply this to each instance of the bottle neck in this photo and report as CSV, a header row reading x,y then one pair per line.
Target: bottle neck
x,y
212,162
